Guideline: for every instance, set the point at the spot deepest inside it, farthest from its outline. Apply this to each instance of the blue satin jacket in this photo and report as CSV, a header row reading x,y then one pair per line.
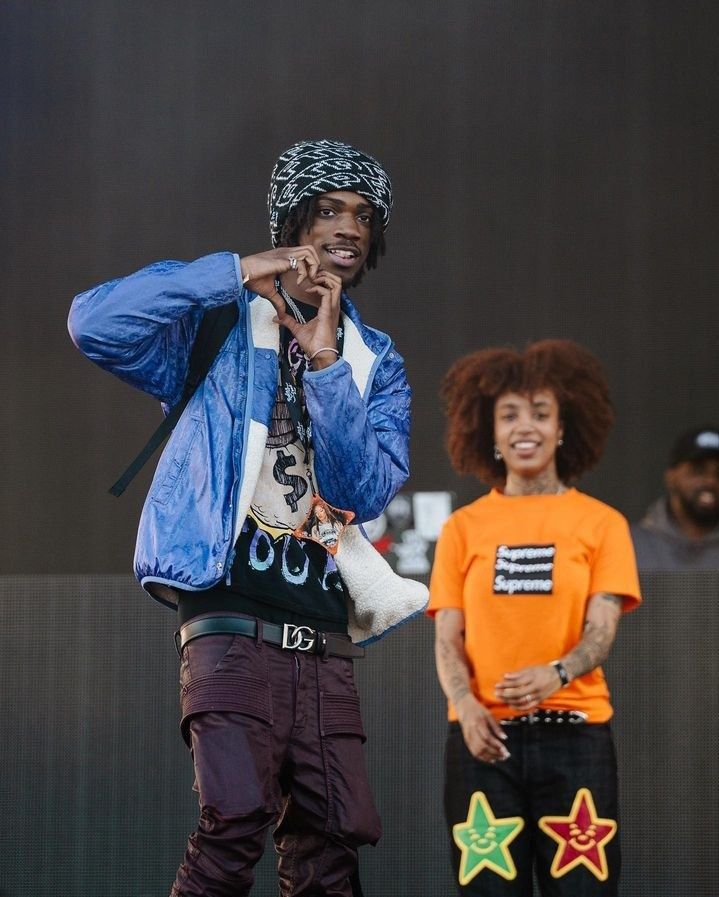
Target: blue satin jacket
x,y
141,328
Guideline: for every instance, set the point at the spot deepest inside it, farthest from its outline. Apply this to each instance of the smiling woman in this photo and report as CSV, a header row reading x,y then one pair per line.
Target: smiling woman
x,y
527,589
527,433
569,372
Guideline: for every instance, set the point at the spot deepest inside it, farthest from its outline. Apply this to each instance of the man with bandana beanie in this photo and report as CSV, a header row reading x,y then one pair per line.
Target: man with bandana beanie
x,y
302,417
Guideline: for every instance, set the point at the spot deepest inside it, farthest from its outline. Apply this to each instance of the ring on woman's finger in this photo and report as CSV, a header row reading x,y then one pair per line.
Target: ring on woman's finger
x,y
528,699
293,263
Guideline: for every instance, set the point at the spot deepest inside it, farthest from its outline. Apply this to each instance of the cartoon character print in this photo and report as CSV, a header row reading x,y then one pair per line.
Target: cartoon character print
x,y
581,837
484,841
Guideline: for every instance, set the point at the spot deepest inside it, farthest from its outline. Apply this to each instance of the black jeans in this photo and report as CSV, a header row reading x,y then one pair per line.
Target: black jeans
x,y
556,802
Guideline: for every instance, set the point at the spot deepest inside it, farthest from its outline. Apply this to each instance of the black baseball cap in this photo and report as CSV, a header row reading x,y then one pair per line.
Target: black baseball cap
x,y
697,443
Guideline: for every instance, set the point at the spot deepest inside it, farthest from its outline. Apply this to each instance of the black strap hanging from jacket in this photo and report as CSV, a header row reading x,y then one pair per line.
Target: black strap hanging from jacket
x,y
214,329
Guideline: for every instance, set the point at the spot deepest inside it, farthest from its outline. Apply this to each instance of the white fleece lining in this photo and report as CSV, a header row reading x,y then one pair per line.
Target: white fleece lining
x,y
359,356
256,442
265,332
265,335
380,598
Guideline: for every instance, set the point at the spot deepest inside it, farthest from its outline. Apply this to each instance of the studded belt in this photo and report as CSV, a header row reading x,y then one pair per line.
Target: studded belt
x,y
556,717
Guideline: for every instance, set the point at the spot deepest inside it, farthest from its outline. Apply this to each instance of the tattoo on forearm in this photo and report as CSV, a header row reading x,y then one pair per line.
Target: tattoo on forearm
x,y
597,640
452,670
457,691
592,650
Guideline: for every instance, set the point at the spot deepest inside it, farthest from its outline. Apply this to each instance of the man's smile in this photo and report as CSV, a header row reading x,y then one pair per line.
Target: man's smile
x,y
344,254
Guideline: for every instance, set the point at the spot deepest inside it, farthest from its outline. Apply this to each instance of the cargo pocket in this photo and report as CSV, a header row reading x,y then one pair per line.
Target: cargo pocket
x,y
227,723
351,813
226,693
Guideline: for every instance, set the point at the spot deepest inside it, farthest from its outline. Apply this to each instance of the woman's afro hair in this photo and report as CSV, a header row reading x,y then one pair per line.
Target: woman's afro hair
x,y
474,383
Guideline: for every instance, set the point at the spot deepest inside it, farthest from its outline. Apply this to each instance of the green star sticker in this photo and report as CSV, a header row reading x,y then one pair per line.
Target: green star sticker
x,y
484,841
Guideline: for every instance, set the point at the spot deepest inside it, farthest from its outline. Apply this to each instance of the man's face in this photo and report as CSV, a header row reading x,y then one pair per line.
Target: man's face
x,y
695,486
341,233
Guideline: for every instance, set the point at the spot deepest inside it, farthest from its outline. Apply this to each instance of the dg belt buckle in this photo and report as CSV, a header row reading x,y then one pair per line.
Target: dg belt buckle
x,y
298,638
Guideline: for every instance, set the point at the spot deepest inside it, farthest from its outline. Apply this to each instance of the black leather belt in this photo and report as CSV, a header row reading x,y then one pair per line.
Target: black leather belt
x,y
285,635
573,717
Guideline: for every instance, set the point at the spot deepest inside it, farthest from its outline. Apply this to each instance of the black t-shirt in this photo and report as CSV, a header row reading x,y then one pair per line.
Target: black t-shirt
x,y
274,575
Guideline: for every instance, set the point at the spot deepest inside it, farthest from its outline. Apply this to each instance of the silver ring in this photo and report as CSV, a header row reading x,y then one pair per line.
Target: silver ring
x,y
293,263
528,699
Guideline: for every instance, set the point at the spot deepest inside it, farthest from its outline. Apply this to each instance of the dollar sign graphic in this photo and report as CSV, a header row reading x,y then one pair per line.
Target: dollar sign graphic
x,y
299,487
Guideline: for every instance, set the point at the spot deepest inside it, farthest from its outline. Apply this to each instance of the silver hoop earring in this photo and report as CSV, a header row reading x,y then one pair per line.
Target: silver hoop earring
x,y
497,454
561,442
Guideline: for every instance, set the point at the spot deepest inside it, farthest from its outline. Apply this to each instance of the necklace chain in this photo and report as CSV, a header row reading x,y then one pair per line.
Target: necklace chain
x,y
299,317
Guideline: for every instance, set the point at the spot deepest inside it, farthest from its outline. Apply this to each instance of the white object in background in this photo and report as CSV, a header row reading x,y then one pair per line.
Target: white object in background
x,y
411,553
376,528
431,509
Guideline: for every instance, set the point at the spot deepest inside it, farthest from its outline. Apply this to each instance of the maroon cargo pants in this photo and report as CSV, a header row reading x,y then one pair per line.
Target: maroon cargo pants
x,y
276,736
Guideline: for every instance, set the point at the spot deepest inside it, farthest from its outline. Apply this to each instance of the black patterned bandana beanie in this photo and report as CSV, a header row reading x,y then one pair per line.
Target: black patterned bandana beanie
x,y
312,167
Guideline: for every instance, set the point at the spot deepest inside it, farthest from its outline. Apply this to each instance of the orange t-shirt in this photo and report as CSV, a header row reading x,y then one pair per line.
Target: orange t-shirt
x,y
522,569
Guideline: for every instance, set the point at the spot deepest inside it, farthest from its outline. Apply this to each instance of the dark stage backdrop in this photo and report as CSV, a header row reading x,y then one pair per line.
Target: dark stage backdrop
x,y
555,174
95,795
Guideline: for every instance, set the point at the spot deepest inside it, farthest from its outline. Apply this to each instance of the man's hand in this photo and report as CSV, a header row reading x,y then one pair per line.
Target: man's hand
x,y
259,273
482,733
525,689
321,331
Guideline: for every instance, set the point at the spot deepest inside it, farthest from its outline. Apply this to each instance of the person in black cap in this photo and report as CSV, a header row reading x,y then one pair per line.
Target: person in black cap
x,y
302,416
681,530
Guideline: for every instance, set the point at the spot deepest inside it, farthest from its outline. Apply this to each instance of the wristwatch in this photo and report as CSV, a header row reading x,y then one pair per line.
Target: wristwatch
x,y
561,672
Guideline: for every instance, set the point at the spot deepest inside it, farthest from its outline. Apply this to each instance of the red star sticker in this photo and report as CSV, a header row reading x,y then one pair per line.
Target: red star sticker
x,y
581,837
